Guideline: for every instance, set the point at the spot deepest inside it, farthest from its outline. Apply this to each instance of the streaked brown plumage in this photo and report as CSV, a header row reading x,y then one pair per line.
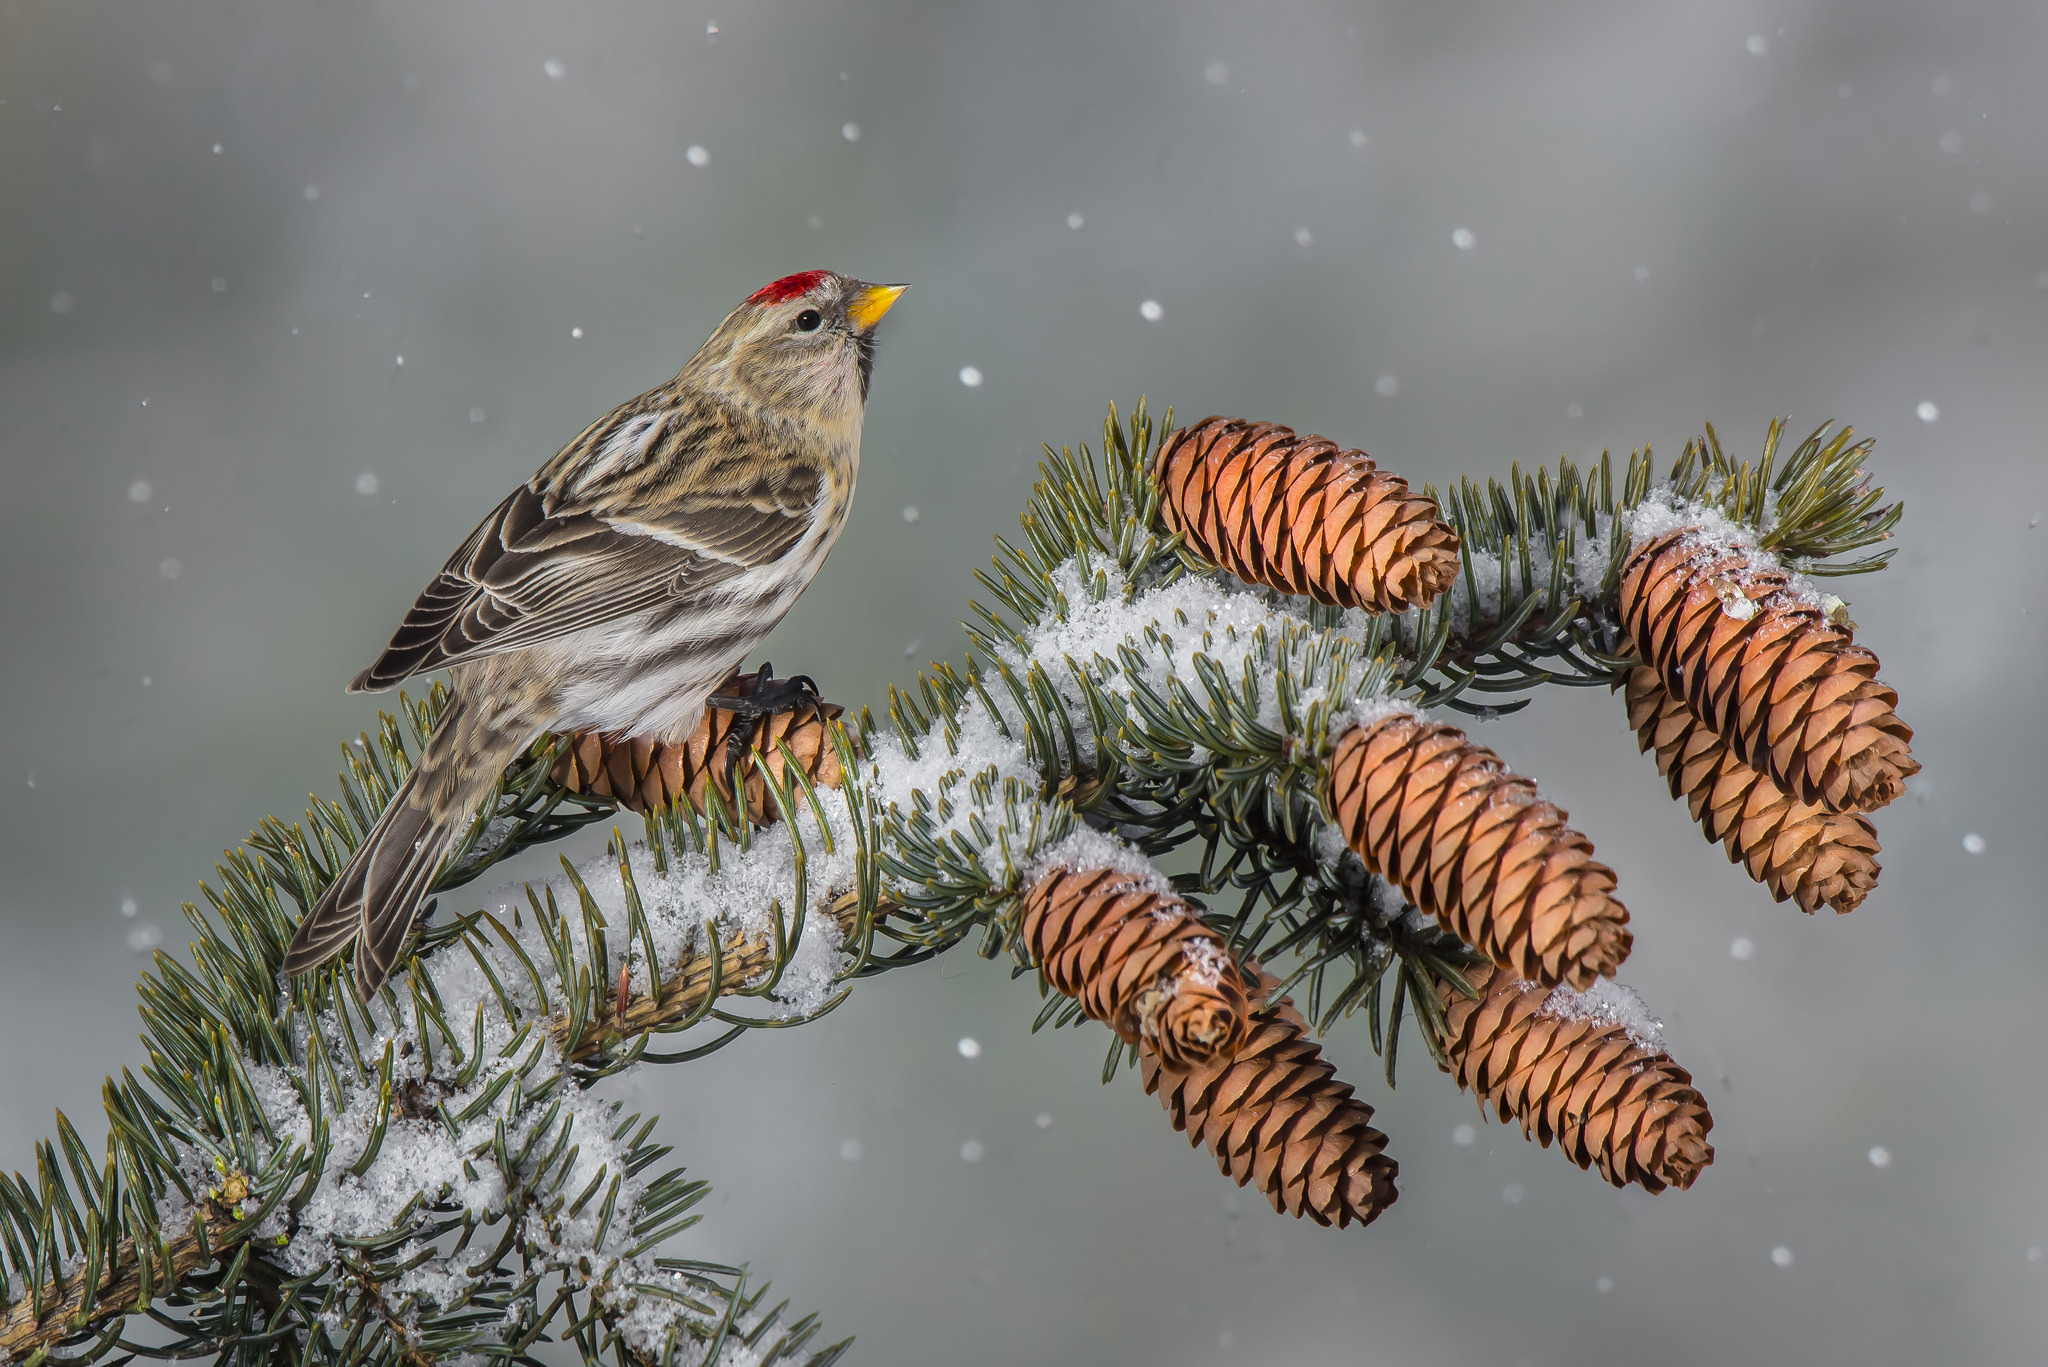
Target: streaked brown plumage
x,y
618,586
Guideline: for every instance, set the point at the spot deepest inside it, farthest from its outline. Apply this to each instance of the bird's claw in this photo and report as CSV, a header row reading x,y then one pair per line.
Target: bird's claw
x,y
766,695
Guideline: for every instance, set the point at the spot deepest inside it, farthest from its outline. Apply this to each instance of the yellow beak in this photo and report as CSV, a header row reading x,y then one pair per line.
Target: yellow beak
x,y
870,302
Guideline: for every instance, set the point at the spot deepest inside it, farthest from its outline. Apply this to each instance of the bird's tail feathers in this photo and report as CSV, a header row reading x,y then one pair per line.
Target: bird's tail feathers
x,y
376,897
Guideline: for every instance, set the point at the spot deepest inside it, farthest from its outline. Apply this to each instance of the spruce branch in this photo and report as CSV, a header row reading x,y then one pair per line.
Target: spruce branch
x,y
306,1176
296,1162
1819,504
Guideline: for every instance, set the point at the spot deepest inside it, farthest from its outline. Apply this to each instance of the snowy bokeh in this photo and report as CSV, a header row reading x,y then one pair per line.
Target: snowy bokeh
x,y
1844,225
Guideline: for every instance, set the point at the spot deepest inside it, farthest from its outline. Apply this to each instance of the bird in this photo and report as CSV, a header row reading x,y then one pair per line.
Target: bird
x,y
619,586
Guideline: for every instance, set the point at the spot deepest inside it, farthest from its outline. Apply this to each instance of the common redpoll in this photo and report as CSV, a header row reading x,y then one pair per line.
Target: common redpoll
x,y
617,588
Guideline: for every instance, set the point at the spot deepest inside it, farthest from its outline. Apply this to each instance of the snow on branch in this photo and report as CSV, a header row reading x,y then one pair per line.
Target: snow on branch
x,y
430,1174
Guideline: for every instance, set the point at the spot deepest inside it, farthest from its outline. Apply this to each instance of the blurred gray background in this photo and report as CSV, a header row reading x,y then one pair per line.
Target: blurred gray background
x,y
1454,234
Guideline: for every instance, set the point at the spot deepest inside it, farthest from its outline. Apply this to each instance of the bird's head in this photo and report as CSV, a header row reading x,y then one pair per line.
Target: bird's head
x,y
803,344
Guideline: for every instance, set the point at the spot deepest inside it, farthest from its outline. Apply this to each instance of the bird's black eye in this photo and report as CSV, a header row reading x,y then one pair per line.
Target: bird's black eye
x,y
808,320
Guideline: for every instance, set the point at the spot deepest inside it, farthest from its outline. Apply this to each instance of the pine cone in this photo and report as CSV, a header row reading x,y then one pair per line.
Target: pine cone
x,y
1797,849
1139,961
1299,515
1473,845
1607,1101
642,774
1760,664
1277,1118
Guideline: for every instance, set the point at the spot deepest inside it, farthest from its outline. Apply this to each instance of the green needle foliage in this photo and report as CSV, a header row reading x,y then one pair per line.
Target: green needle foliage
x,y
305,1178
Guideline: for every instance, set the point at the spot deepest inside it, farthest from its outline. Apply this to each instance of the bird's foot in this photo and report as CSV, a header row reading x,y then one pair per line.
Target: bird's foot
x,y
764,696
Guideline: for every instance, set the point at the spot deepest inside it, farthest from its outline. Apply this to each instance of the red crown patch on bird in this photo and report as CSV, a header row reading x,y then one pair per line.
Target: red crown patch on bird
x,y
788,287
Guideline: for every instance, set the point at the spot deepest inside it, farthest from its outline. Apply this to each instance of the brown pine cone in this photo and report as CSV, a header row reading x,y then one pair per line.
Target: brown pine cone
x,y
1473,845
1799,850
1139,961
1299,515
642,774
1760,664
1277,1118
1609,1102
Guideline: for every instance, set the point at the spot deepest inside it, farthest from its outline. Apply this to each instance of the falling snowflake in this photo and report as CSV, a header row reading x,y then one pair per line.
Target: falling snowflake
x,y
696,155
1150,311
970,376
1463,240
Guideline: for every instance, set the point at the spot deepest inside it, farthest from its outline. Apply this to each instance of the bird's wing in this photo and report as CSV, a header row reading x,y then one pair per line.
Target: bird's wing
x,y
527,575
